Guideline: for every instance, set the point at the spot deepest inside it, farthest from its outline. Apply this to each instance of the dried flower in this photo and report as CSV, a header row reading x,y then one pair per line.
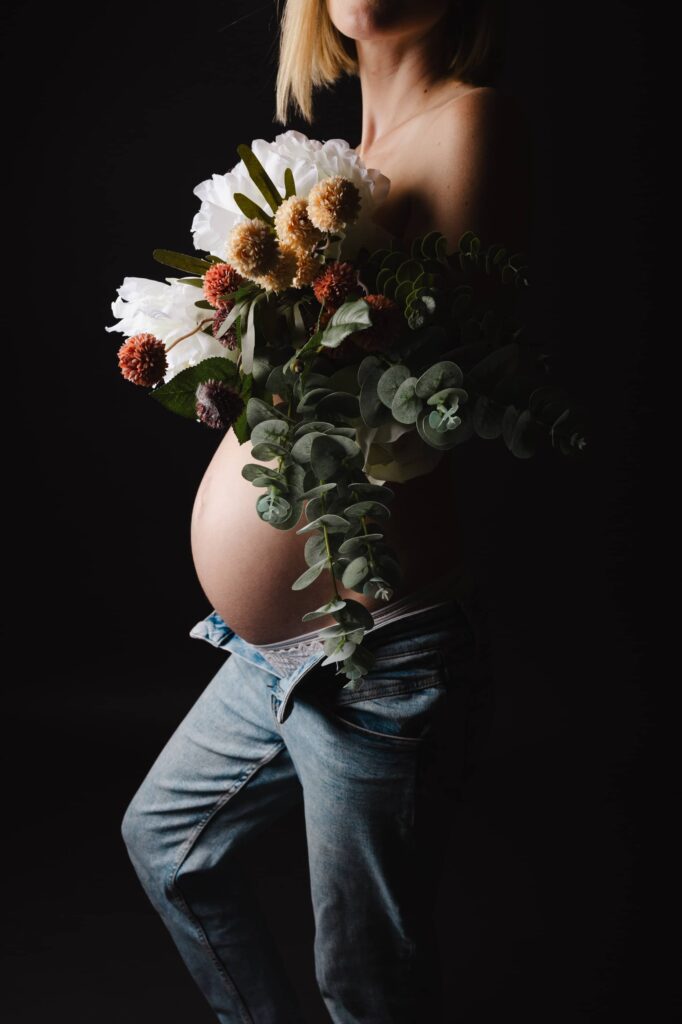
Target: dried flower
x,y
336,282
293,225
217,404
334,203
229,338
252,248
218,279
308,267
142,359
282,274
387,321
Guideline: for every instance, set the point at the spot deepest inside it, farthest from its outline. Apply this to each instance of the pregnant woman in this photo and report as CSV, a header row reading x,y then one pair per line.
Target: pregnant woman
x,y
374,768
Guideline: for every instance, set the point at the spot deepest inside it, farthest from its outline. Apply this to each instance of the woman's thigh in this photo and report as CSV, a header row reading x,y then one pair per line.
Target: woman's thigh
x,y
223,771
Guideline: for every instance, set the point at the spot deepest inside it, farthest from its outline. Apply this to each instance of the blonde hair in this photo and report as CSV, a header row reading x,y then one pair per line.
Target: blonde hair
x,y
312,51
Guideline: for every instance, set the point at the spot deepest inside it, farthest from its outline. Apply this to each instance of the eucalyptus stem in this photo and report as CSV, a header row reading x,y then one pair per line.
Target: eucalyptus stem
x,y
327,545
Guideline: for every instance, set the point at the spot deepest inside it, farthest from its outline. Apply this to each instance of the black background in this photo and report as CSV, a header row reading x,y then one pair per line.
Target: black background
x,y
112,116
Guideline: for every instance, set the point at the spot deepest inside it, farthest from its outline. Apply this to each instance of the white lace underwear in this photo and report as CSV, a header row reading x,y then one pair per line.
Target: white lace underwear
x,y
285,656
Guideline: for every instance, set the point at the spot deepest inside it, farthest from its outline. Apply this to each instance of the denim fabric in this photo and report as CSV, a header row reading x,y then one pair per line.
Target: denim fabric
x,y
375,770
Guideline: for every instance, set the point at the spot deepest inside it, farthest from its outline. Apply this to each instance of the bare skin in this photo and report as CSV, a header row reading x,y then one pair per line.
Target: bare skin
x,y
437,161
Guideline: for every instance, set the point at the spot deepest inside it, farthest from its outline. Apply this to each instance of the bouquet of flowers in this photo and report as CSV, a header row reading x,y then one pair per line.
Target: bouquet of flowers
x,y
352,362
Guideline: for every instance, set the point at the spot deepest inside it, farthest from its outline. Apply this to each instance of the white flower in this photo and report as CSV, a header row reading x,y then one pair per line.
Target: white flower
x,y
168,311
310,161
395,453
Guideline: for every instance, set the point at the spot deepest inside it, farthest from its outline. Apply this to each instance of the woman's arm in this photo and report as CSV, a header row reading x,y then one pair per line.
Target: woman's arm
x,y
482,170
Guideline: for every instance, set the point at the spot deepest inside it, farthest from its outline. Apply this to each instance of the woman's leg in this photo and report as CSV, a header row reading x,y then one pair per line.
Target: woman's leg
x,y
223,776
379,768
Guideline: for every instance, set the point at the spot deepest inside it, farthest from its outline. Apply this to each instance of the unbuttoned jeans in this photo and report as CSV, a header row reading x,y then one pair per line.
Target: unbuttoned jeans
x,y
376,769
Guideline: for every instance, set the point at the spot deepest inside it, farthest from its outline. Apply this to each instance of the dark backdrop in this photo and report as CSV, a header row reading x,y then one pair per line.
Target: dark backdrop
x,y
112,116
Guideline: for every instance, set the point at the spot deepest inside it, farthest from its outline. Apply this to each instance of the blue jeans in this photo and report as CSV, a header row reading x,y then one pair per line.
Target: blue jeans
x,y
375,770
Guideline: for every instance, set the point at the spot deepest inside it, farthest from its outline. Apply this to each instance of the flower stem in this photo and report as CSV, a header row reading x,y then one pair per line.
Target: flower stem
x,y
182,338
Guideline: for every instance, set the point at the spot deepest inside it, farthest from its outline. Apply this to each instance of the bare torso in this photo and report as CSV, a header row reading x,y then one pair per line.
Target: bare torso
x,y
245,566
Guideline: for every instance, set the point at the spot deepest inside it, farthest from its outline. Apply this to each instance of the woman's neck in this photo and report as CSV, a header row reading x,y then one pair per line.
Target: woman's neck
x,y
399,79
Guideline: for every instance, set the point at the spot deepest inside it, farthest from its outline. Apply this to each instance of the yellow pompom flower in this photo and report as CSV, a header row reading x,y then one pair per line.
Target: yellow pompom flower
x,y
308,267
252,248
333,203
293,225
282,274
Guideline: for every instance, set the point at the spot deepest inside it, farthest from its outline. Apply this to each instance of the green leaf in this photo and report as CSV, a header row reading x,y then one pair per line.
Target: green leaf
x,y
325,456
444,374
325,609
406,404
349,317
198,282
260,176
179,261
309,576
179,394
289,183
251,209
390,381
240,425
355,572
332,522
367,508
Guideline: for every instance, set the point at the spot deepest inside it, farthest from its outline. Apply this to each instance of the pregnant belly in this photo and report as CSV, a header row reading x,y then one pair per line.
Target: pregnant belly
x,y
246,567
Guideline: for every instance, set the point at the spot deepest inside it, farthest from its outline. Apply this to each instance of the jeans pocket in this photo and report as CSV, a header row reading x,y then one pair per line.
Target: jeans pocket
x,y
397,699
403,718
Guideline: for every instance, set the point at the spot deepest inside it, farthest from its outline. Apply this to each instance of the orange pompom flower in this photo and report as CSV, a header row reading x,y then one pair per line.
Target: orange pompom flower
x,y
142,359
218,279
336,283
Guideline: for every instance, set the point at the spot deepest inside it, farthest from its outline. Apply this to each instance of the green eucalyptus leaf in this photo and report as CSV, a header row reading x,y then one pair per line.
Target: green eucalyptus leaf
x,y
325,456
339,403
355,572
355,544
390,381
368,508
321,426
444,374
406,404
315,548
487,418
273,508
326,609
300,451
258,411
309,576
268,451
272,431
332,522
313,492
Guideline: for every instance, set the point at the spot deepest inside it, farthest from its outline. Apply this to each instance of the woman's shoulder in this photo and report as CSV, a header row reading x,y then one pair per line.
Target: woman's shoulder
x,y
484,107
